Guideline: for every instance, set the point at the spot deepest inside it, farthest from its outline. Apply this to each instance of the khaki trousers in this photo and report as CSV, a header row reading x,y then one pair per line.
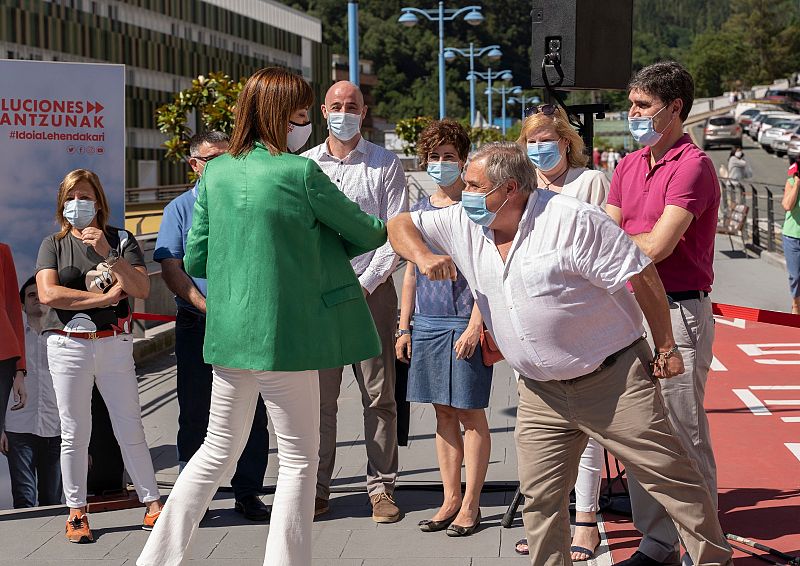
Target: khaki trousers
x,y
376,380
693,328
622,408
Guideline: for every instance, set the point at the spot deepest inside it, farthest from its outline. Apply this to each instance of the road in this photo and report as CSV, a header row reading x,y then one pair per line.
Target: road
x,y
766,168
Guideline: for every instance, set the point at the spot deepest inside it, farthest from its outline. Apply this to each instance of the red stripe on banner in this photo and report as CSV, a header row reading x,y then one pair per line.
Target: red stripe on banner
x,y
149,316
757,315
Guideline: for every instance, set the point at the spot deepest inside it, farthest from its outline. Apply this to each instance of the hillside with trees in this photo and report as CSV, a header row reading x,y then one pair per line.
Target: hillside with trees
x,y
725,43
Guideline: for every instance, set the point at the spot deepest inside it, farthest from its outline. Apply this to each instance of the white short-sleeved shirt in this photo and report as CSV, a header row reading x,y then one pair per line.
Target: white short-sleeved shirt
x,y
558,306
587,185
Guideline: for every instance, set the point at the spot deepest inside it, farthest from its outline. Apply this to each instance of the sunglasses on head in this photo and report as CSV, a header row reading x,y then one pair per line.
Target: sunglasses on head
x,y
546,109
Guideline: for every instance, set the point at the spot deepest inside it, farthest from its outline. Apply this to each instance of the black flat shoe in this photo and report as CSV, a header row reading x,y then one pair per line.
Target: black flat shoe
x,y
252,508
459,531
430,526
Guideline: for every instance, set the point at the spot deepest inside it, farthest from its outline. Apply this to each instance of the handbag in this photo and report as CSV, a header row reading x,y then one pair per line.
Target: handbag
x,y
490,352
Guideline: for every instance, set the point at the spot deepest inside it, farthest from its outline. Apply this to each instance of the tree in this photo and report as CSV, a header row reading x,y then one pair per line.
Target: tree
x,y
212,98
409,130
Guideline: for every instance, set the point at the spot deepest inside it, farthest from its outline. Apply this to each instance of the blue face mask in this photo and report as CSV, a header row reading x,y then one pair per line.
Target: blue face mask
x,y
474,205
545,155
79,213
344,126
445,173
643,131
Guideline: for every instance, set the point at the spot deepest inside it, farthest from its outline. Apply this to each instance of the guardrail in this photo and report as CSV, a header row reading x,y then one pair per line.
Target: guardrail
x,y
415,190
163,194
764,227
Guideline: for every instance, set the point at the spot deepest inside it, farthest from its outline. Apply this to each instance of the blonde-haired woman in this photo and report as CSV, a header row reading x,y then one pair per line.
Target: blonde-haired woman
x,y
273,236
85,273
557,151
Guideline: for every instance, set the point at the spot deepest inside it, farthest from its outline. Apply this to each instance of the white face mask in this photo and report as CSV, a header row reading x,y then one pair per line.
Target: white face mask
x,y
298,135
343,125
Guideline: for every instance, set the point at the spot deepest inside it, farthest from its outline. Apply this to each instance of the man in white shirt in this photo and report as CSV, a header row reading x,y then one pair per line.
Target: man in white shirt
x,y
549,274
32,437
372,177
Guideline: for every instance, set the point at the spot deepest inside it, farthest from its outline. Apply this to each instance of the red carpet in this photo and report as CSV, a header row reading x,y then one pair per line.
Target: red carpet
x,y
756,434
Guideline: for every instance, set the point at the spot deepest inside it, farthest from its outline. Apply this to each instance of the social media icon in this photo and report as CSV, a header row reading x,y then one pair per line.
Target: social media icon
x,y
101,150
71,149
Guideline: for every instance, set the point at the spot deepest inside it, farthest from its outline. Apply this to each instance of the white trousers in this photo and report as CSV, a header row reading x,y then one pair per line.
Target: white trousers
x,y
587,486
76,364
292,400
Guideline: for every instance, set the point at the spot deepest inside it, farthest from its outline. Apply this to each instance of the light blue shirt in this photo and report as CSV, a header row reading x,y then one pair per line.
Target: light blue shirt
x,y
171,242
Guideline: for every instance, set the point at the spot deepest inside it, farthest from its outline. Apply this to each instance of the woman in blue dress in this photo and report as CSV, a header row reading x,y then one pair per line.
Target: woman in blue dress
x,y
446,366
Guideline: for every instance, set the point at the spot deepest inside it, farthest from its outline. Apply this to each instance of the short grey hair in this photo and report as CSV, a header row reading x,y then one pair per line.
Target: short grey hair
x,y
505,161
210,137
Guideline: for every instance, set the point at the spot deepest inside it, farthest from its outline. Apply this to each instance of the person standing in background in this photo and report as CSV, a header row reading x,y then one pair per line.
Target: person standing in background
x,y
194,376
32,439
373,178
12,338
791,234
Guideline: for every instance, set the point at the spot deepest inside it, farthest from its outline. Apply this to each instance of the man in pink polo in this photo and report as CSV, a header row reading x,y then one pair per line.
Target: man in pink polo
x,y
665,196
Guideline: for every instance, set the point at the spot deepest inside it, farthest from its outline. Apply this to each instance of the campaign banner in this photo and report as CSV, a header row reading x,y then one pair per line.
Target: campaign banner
x,y
56,117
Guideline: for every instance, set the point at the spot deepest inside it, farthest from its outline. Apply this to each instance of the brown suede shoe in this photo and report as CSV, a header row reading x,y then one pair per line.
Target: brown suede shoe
x,y
321,506
384,509
78,529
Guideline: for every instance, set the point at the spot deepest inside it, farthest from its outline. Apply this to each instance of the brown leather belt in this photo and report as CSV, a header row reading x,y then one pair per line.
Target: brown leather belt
x,y
88,335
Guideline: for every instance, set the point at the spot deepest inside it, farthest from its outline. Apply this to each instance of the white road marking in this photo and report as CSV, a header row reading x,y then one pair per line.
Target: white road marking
x,y
752,402
792,402
791,419
775,387
794,448
736,322
717,365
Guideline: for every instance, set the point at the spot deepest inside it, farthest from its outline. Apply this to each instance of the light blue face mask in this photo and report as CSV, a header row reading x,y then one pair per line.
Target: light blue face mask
x,y
545,155
79,213
643,131
474,205
445,173
344,126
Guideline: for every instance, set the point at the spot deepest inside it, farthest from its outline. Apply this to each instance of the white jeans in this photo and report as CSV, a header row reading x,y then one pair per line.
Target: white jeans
x,y
76,364
587,486
292,400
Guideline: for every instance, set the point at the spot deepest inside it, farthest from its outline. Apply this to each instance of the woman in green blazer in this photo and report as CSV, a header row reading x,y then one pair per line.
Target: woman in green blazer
x,y
273,236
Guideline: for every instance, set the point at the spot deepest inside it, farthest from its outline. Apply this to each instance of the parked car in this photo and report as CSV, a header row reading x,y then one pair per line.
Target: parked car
x,y
721,130
779,136
782,122
746,117
761,117
793,151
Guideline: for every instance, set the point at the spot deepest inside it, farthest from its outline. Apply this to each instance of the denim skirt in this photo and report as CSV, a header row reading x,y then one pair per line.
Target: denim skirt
x,y
436,376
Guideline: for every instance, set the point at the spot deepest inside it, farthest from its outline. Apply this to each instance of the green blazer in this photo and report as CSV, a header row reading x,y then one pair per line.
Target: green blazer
x,y
274,236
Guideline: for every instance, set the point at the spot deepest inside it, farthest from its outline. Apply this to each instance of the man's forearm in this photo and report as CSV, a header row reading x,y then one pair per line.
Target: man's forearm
x,y
179,282
405,239
652,299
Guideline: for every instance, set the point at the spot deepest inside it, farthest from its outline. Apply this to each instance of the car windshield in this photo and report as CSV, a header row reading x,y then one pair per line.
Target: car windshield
x,y
786,125
722,121
750,112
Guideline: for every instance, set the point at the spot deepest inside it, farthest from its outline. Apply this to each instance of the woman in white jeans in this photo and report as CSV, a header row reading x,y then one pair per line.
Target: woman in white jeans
x,y
273,237
556,149
86,272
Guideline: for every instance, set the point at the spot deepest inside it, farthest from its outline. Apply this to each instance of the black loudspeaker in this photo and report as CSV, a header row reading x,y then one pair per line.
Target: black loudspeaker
x,y
589,41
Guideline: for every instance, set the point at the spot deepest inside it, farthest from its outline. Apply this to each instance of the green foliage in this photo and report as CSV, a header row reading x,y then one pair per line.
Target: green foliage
x,y
409,130
720,41
212,98
479,136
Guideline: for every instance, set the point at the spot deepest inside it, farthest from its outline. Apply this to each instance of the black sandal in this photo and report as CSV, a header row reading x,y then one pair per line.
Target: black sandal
x,y
582,549
519,543
431,526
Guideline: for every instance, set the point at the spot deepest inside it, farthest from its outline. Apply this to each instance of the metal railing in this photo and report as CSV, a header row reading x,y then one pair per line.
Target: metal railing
x,y
764,227
415,190
162,194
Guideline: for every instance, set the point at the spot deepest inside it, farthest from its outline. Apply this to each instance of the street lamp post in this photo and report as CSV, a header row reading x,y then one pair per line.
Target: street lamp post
x,y
503,90
494,54
473,17
489,76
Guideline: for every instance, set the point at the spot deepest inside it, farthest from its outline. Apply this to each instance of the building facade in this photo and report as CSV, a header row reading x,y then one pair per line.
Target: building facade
x,y
164,44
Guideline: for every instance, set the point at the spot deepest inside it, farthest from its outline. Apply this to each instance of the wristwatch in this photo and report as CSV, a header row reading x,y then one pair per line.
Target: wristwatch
x,y
112,258
402,332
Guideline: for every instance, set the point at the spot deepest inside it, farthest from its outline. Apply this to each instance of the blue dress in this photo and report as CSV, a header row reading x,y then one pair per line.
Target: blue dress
x,y
441,315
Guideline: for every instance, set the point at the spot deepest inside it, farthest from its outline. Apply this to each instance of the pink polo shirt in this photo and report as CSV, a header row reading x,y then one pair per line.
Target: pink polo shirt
x,y
684,177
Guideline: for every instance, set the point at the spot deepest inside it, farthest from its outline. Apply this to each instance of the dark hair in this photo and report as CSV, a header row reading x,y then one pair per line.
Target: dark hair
x,y
31,281
263,108
734,149
667,80
442,132
212,137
